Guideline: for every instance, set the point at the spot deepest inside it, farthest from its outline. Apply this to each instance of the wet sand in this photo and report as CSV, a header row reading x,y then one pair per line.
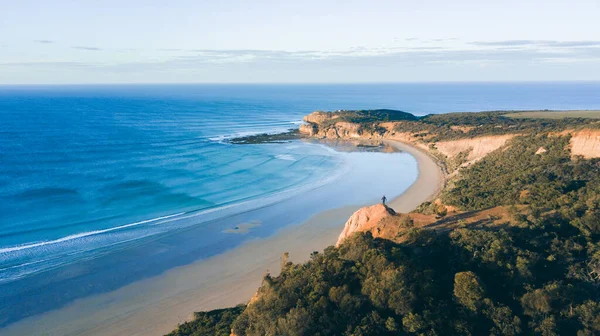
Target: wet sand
x,y
155,306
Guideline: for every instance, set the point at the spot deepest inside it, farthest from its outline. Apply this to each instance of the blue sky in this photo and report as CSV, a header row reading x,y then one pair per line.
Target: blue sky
x,y
148,41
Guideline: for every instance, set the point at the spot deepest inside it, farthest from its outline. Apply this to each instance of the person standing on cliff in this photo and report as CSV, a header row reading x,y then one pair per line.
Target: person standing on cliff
x,y
383,199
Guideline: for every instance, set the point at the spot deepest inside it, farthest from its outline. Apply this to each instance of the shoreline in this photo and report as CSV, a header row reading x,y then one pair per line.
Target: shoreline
x,y
220,281
429,183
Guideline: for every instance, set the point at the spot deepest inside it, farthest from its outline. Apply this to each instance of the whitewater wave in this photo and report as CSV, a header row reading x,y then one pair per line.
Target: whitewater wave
x,y
273,198
82,235
281,128
286,157
223,137
92,244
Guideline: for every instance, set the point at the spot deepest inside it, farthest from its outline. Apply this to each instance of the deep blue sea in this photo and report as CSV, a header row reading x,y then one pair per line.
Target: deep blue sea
x,y
94,179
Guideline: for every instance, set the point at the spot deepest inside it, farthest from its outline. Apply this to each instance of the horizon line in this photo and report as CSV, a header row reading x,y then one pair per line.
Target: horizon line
x,y
310,83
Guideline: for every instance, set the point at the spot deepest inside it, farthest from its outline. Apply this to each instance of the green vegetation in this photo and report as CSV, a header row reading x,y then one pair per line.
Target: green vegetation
x,y
370,116
556,114
470,282
551,185
451,126
430,208
263,138
536,274
216,322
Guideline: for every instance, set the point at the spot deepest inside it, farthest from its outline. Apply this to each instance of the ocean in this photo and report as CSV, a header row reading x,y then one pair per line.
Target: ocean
x,y
101,186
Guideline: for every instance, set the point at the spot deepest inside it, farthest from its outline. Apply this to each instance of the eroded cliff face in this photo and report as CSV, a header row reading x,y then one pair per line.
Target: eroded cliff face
x,y
319,117
323,125
478,147
383,222
586,143
309,129
364,220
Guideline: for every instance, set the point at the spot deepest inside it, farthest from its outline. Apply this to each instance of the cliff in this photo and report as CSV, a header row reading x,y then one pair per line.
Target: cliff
x,y
328,126
478,147
319,117
453,143
331,126
366,219
586,143
384,222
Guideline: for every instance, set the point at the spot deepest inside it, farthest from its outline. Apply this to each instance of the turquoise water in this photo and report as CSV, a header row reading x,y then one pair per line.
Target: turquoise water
x,y
104,185
86,169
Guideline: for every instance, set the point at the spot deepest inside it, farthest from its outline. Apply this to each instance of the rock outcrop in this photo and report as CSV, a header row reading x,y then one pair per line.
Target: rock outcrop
x,y
309,129
365,219
319,117
324,125
337,130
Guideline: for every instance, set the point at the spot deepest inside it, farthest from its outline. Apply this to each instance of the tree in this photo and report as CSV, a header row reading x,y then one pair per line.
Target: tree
x,y
468,290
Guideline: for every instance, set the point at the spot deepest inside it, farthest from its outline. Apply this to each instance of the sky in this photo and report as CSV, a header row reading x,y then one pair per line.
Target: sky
x,y
308,41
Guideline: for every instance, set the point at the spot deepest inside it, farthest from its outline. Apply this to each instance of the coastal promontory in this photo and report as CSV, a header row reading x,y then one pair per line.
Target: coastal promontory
x,y
508,246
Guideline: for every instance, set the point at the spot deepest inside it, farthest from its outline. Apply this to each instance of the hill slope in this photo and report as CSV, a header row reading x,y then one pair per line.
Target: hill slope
x,y
510,248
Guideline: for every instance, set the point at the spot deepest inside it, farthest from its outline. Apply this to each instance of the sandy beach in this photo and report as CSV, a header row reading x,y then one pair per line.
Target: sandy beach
x,y
156,305
429,182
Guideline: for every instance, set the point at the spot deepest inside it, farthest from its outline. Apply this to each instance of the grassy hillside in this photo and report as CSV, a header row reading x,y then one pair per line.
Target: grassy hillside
x,y
451,126
593,114
460,125
370,116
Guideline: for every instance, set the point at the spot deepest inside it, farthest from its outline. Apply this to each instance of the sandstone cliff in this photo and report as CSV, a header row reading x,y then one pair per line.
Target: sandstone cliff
x,y
324,125
383,222
477,147
586,143
319,117
365,219
454,153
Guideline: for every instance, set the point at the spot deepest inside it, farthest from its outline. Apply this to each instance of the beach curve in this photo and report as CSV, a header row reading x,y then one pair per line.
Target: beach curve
x,y
217,282
428,184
